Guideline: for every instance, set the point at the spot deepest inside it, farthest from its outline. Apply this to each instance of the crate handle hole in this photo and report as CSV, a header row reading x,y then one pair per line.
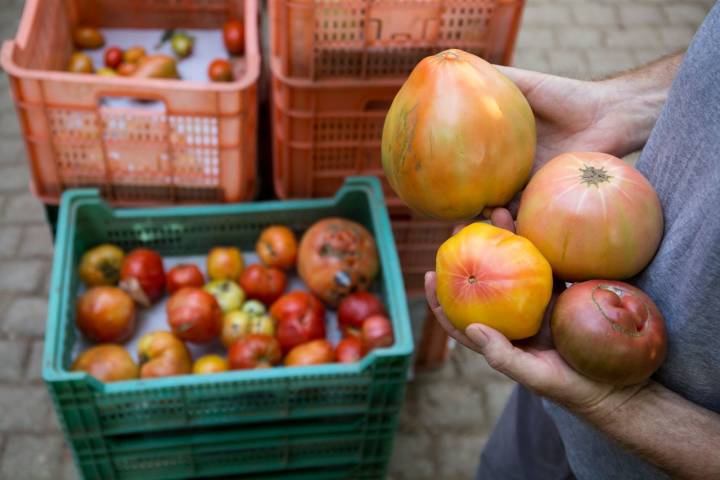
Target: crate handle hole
x,y
377,105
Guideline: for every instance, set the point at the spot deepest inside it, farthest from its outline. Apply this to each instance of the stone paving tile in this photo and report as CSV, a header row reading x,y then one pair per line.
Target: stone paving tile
x,y
34,369
31,457
21,276
27,316
24,408
9,240
466,450
24,208
412,457
12,357
37,242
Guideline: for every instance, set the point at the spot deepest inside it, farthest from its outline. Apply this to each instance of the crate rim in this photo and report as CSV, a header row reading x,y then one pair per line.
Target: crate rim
x,y
252,61
52,370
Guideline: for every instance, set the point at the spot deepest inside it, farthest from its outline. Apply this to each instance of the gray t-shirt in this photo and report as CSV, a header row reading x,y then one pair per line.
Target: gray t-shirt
x,y
682,161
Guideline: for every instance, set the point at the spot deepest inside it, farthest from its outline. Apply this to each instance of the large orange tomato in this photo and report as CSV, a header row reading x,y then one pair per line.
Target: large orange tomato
x,y
337,257
592,216
459,136
489,275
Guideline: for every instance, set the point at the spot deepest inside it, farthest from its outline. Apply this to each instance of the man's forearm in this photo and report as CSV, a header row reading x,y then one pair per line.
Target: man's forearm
x,y
637,96
662,427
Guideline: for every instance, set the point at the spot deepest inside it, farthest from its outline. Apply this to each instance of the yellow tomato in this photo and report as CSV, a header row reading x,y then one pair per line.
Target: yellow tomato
x,y
489,275
209,364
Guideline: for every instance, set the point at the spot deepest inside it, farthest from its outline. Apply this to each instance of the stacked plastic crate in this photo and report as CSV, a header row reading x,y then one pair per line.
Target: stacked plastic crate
x,y
336,67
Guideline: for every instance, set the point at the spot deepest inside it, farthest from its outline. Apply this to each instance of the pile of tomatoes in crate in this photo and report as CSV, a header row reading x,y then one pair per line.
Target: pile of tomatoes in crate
x,y
245,308
136,62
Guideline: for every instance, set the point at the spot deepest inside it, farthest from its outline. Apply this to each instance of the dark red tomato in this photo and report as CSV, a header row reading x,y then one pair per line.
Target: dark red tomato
x,y
609,331
300,317
220,70
194,315
254,350
234,37
355,308
349,350
262,283
184,275
376,332
113,57
143,276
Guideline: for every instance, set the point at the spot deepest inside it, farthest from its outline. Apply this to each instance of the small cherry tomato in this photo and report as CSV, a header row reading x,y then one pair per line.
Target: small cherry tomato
x,y
234,37
220,70
113,57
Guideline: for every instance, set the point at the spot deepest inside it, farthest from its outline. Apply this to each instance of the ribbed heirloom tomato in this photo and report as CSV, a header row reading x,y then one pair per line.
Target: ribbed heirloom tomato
x,y
459,136
489,275
592,216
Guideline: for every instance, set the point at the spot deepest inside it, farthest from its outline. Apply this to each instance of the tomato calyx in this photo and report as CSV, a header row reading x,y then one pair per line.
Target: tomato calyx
x,y
594,175
624,300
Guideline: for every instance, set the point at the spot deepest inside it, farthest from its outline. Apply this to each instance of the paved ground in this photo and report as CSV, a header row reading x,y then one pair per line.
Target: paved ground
x,y
449,412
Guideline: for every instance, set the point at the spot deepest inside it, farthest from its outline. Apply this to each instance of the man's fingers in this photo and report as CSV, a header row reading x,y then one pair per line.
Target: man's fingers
x,y
521,366
431,296
526,80
501,217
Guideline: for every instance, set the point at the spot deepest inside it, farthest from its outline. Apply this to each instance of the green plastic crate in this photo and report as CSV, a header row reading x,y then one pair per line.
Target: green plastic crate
x,y
94,415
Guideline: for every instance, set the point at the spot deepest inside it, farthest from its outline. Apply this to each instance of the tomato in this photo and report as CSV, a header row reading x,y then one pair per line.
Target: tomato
x,y
376,332
80,63
228,294
262,283
592,216
209,364
254,351
234,37
156,66
182,44
239,323
220,70
106,314
300,317
113,57
101,265
106,72
133,54
355,308
609,331
337,257
349,350
459,137
311,353
143,276
194,315
225,263
277,247
107,363
162,354
87,37
126,69
184,275
489,275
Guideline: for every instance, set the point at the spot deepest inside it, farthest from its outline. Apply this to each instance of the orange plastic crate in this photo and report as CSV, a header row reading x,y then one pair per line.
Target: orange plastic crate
x,y
199,147
325,132
417,240
317,39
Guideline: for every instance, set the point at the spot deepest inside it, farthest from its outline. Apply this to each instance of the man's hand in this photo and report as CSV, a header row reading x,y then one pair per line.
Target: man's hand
x,y
612,116
533,362
571,115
